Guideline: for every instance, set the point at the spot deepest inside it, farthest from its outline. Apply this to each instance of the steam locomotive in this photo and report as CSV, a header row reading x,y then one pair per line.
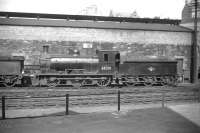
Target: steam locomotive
x,y
104,69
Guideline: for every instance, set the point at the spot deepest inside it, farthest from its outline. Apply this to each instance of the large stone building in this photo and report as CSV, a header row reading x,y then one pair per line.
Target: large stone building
x,y
188,15
26,34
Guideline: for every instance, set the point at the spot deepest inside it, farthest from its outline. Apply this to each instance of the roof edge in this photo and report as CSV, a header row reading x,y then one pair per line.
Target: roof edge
x,y
93,24
86,17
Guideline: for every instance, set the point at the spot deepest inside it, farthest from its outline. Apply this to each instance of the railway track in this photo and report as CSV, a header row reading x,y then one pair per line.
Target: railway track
x,y
30,98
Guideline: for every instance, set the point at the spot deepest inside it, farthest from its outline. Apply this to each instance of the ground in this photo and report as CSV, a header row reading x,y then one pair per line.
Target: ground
x,y
151,120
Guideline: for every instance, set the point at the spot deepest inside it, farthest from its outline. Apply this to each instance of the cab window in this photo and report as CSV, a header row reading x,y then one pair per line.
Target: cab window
x,y
105,57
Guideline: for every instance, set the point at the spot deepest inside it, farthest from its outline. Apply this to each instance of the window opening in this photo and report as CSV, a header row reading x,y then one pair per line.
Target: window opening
x,y
105,57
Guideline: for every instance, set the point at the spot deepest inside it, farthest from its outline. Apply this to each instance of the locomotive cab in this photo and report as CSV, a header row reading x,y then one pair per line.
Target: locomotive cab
x,y
109,61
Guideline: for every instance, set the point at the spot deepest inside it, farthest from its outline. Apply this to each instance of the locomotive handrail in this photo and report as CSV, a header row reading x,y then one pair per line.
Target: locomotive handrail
x,y
74,69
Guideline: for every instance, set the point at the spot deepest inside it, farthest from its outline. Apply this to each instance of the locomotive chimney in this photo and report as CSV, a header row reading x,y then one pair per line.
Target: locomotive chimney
x,y
46,49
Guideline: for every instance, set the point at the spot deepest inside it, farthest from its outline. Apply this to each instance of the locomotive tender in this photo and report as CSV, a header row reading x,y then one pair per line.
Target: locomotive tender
x,y
11,70
149,72
102,70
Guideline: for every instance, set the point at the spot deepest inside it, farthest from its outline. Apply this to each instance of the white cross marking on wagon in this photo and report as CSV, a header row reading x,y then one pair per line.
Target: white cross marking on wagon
x,y
151,68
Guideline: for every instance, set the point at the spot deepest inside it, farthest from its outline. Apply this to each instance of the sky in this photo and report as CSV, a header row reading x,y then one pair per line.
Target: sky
x,y
145,8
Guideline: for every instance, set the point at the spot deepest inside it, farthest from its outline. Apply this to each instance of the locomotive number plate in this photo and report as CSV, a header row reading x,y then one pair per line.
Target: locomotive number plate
x,y
106,68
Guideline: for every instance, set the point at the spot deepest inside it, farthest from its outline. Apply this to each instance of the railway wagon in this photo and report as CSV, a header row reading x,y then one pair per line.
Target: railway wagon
x,y
11,70
149,72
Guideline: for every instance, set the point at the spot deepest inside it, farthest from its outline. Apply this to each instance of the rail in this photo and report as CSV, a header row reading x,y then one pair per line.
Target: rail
x,y
119,97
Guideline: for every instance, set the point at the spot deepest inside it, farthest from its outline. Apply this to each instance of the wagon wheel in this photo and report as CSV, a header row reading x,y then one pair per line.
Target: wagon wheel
x,y
103,81
11,84
76,82
10,81
148,84
52,83
169,80
87,82
77,85
131,81
148,81
128,83
163,81
174,81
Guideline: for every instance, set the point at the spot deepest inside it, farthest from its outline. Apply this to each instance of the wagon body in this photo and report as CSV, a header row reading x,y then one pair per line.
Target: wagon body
x,y
153,67
11,69
11,65
149,72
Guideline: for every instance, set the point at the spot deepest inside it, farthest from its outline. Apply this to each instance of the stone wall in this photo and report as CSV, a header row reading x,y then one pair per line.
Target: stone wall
x,y
132,44
190,25
94,35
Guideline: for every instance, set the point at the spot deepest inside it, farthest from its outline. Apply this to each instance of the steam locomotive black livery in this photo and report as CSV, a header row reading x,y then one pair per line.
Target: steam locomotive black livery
x,y
104,69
